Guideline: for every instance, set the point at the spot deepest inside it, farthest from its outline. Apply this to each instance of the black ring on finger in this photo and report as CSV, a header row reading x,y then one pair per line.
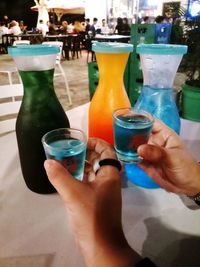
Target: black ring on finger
x,y
110,162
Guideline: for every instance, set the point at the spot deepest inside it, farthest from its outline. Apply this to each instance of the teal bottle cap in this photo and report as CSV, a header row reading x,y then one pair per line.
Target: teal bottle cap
x,y
32,50
161,49
111,47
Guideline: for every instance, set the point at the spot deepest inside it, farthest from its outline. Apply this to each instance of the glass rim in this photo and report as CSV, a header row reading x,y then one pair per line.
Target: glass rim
x,y
134,111
161,49
33,50
64,129
111,47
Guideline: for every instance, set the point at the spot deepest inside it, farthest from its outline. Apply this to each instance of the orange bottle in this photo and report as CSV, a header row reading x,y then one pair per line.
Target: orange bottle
x,y
110,93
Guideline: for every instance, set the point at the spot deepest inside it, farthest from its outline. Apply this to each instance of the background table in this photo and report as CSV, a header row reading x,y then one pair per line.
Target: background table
x,y
34,229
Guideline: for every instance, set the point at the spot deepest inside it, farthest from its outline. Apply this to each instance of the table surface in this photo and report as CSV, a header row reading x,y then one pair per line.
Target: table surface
x,y
34,229
113,36
21,35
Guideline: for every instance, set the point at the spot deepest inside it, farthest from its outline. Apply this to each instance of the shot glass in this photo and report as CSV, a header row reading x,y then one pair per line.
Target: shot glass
x,y
68,146
131,129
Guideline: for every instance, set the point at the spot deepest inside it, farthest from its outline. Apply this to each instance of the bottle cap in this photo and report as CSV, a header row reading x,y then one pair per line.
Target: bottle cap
x,y
111,47
161,49
32,50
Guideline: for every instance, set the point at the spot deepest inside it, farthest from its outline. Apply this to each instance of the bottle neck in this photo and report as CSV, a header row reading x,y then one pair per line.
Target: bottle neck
x,y
38,84
111,68
163,94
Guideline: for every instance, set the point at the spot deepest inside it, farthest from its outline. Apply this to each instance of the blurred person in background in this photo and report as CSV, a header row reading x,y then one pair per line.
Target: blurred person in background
x,y
52,30
126,27
177,32
78,27
87,25
70,28
6,20
146,20
104,27
14,28
22,26
3,30
119,27
95,28
64,27
160,19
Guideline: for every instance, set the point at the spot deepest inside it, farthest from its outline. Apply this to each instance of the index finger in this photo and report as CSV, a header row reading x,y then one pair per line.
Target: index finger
x,y
163,135
160,126
101,147
105,151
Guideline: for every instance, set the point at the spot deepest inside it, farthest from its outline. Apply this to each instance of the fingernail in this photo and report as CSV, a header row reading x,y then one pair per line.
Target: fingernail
x,y
47,165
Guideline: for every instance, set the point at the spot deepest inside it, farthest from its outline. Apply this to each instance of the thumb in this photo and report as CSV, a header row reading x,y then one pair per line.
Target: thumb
x,y
61,179
151,153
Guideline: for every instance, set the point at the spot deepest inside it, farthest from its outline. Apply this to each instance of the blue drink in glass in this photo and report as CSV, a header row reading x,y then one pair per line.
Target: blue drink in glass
x,y
131,129
68,146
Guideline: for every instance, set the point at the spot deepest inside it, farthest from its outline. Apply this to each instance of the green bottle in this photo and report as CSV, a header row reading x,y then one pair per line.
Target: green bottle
x,y
40,111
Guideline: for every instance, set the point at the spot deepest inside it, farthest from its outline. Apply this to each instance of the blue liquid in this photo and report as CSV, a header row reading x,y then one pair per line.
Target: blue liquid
x,y
161,104
129,133
71,154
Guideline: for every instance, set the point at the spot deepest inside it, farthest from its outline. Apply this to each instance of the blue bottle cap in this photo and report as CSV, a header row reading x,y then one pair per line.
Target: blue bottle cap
x,y
111,47
32,50
161,49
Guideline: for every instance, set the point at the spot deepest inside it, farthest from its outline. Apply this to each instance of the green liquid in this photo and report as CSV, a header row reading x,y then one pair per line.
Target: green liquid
x,y
40,113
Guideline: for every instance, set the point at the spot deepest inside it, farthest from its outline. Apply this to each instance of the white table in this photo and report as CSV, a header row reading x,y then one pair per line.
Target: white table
x,y
34,230
113,37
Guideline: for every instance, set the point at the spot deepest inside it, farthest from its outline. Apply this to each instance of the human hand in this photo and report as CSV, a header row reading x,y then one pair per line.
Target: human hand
x,y
94,209
169,163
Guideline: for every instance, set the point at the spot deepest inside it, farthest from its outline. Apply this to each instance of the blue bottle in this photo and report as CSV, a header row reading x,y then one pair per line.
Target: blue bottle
x,y
159,64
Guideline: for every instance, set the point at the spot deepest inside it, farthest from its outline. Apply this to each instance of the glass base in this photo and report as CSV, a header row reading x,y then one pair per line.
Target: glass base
x,y
135,175
134,158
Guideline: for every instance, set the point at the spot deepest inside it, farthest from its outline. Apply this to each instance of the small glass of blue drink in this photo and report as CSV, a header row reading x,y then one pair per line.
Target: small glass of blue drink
x,y
131,129
68,146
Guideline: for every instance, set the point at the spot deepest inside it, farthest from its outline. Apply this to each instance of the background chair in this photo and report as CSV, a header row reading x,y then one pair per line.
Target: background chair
x,y
76,45
11,70
60,71
21,42
88,46
10,102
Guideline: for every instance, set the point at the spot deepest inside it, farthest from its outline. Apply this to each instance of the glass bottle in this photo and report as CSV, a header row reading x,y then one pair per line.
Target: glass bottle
x,y
39,113
110,93
159,64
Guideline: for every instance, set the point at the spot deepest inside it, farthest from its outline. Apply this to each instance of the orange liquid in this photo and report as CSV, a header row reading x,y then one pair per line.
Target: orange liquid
x,y
110,95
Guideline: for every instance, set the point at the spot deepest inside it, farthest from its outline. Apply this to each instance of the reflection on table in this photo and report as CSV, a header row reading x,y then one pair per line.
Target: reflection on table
x,y
34,228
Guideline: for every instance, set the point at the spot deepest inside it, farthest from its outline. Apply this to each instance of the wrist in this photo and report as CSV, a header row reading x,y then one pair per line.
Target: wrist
x,y
194,187
113,256
111,251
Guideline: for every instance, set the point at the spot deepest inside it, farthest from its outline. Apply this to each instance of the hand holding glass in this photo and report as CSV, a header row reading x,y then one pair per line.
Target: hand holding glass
x,y
131,129
67,146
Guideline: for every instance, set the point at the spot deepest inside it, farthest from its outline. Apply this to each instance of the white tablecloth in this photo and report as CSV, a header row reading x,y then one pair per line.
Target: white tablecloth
x,y
34,230
111,37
